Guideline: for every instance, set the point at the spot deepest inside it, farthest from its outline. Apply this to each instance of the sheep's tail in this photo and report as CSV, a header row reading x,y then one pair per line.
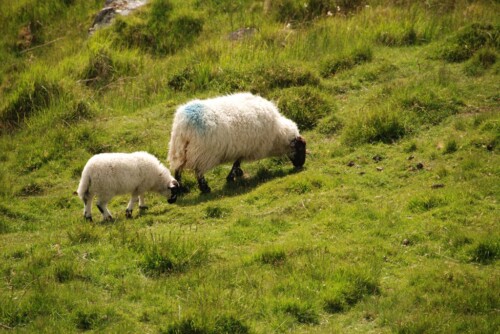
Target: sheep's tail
x,y
177,155
83,187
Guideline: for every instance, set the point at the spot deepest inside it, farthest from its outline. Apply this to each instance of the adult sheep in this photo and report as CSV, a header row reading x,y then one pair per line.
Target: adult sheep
x,y
233,128
109,174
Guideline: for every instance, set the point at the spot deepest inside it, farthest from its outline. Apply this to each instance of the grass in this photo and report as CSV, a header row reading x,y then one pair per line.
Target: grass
x,y
391,226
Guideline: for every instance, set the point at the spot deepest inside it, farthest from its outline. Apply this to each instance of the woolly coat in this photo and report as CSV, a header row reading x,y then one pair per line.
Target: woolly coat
x,y
206,133
110,174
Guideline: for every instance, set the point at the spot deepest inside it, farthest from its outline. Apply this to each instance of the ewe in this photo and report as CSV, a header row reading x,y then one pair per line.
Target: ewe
x,y
206,133
110,174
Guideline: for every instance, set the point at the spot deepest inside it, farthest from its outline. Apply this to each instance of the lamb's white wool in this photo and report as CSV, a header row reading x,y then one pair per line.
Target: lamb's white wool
x,y
206,133
109,174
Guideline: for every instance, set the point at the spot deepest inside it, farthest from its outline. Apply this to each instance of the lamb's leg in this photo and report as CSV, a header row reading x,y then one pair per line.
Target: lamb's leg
x,y
235,171
142,204
130,206
87,211
202,183
102,206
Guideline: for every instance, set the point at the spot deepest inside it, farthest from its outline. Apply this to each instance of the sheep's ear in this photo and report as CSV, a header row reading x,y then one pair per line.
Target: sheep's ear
x,y
299,140
173,184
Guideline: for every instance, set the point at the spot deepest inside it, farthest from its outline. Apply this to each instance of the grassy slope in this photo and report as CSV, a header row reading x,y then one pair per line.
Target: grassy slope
x,y
333,248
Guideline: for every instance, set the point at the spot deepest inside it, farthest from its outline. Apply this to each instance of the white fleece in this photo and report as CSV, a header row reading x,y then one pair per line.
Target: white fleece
x,y
206,133
109,174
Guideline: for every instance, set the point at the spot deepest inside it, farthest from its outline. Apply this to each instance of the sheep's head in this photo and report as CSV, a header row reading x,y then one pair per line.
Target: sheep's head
x,y
174,191
298,154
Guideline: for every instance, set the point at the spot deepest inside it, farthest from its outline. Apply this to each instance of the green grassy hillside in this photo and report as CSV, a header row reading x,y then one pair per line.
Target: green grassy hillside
x,y
392,226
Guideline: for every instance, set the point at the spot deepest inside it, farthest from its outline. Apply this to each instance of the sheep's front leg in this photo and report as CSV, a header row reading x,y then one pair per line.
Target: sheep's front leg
x,y
102,205
235,172
130,206
178,176
202,183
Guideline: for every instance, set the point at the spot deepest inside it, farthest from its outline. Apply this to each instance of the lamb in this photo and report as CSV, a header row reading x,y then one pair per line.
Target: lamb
x,y
232,128
109,174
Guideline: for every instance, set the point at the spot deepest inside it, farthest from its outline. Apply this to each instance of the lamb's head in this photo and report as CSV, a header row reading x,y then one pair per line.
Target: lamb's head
x,y
173,191
298,154
168,187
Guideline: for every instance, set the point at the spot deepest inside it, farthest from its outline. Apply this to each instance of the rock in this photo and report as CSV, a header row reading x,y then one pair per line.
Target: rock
x,y
113,8
242,33
378,158
380,169
405,242
351,163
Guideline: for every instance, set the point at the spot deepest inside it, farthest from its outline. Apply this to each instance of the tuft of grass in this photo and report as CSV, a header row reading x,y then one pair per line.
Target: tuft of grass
x,y
171,256
304,105
303,313
426,203
468,40
486,252
451,146
186,326
334,65
377,125
216,212
480,62
27,100
230,325
159,31
85,233
275,257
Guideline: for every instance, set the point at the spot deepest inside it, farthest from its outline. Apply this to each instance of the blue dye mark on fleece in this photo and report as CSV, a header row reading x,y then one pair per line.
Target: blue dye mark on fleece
x,y
195,116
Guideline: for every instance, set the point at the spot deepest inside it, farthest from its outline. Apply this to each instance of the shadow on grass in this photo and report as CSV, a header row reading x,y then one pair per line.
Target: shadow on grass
x,y
239,187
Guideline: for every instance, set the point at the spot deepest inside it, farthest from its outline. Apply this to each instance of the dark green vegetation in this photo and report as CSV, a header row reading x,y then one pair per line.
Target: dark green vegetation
x,y
391,227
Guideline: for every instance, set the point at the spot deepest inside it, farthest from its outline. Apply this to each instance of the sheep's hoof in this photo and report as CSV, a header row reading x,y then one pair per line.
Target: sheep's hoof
x,y
205,190
238,172
230,178
88,218
128,213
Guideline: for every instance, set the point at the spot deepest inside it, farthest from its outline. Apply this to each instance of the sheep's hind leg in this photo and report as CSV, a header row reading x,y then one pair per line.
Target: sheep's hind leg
x,y
87,211
102,206
142,204
203,184
235,172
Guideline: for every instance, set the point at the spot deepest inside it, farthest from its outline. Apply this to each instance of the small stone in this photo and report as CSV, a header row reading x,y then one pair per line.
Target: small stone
x,y
350,163
378,158
420,165
380,169
406,242
437,185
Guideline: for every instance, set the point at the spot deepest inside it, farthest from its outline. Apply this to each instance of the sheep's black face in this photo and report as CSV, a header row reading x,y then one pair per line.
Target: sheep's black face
x,y
174,191
298,155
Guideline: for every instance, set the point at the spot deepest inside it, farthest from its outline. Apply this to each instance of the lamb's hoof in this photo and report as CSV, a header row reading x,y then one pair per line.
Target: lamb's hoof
x,y
143,207
109,219
88,218
128,213
230,179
